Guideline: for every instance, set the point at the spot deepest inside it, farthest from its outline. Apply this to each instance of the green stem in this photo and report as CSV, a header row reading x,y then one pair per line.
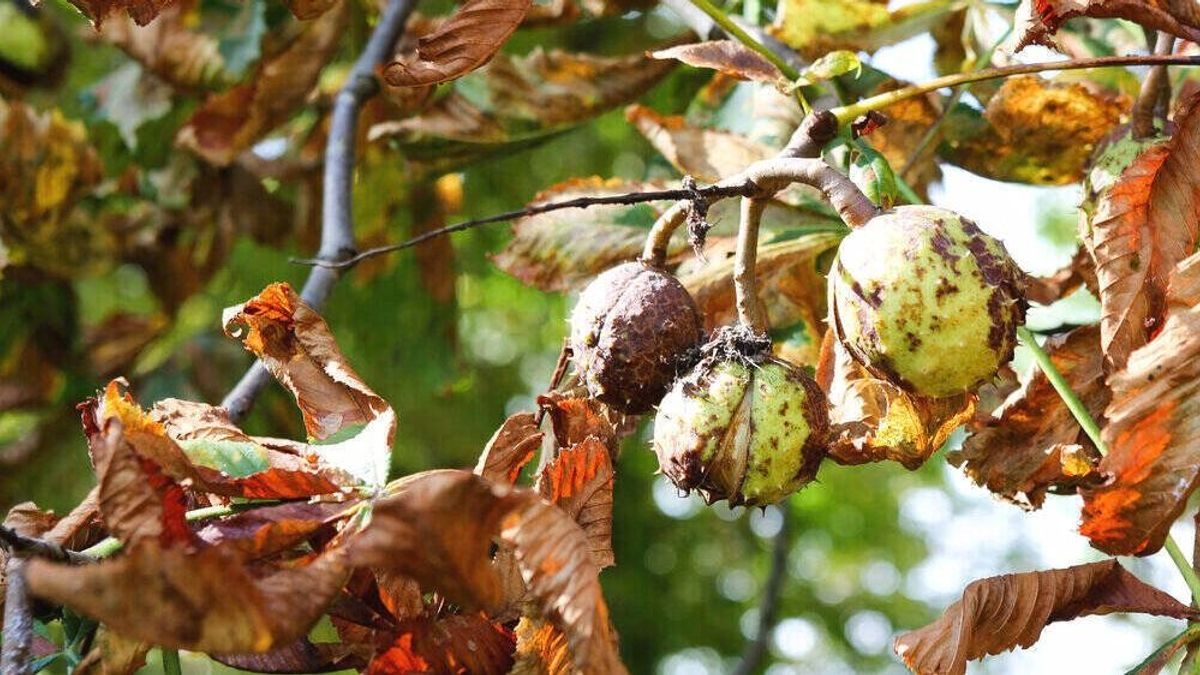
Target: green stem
x,y
170,662
1088,423
735,31
111,545
851,112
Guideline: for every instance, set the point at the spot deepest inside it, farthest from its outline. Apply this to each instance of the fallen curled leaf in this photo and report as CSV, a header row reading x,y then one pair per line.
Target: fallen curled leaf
x,y
463,43
561,250
1033,131
296,345
438,527
510,449
873,420
204,600
228,123
1141,216
1152,435
459,643
580,482
1000,613
1038,20
1025,450
726,56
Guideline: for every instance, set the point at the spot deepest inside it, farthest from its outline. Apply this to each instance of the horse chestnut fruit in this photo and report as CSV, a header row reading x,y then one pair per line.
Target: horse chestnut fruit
x,y
752,431
919,295
629,331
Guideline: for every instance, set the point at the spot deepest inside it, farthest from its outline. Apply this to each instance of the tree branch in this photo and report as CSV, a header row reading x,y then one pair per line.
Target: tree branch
x,y
1142,124
337,224
18,619
18,544
768,608
745,285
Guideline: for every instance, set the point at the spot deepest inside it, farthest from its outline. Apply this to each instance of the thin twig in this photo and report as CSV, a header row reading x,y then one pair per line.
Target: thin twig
x,y
337,225
18,544
1142,118
712,191
768,608
18,619
846,114
560,369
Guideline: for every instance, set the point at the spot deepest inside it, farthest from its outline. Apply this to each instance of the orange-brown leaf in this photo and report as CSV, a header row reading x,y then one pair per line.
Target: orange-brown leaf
x,y
999,613
1020,453
510,449
459,643
267,530
541,649
580,482
726,56
203,601
296,345
230,122
1143,224
574,419
465,42
141,11
1152,435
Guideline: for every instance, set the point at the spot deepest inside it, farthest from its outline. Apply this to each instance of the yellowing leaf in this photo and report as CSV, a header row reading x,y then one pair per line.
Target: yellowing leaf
x,y
1034,131
817,27
463,43
999,613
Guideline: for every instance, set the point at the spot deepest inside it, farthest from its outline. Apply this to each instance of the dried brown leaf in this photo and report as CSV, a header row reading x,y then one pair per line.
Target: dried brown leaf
x,y
1038,20
725,56
268,530
228,123
580,482
1145,219
465,42
141,11
1033,131
1020,454
705,154
296,345
460,643
169,47
510,449
112,654
574,419
999,613
541,649
1080,271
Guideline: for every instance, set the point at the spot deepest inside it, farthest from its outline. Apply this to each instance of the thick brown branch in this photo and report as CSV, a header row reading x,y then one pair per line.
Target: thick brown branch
x,y
337,225
18,620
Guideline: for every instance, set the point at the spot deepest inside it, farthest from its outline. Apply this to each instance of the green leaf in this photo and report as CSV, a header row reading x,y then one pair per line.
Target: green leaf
x,y
237,459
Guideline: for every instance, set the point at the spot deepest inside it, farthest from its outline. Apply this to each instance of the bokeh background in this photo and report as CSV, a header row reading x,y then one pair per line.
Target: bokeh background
x,y
456,345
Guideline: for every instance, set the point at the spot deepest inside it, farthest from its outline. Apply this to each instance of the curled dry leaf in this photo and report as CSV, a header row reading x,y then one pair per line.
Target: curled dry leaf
x,y
438,527
580,482
561,250
1140,218
999,613
1038,20
300,656
296,345
1034,444
170,48
268,530
141,11
873,420
574,419
1033,131
1152,435
527,99
230,122
541,649
510,449
203,600
459,643
1081,271
465,42
726,56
